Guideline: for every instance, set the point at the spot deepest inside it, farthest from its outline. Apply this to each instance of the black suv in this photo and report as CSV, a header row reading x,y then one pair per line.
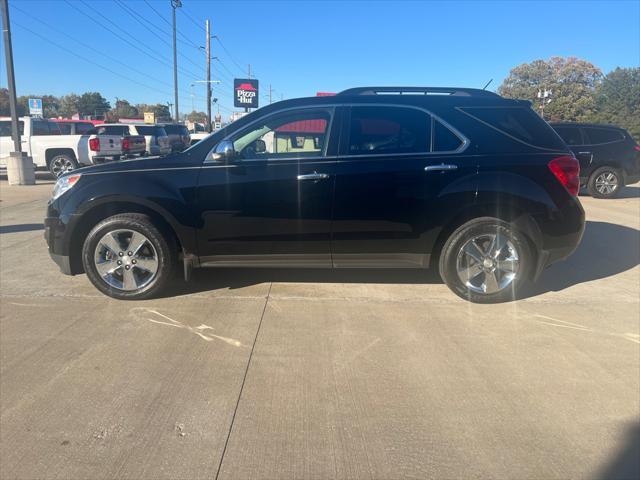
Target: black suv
x,y
609,156
461,179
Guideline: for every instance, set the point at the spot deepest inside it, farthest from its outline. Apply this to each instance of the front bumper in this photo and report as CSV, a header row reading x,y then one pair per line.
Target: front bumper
x,y
53,235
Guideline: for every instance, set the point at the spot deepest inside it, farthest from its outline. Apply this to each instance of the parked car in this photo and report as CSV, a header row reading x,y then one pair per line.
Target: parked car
x,y
179,137
609,156
74,127
49,149
463,180
156,139
132,145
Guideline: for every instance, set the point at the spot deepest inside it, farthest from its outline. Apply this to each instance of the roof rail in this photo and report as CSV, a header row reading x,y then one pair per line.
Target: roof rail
x,y
454,91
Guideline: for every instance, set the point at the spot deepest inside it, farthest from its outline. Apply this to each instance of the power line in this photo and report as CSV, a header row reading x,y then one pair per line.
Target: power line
x,y
138,18
194,21
154,55
229,55
188,40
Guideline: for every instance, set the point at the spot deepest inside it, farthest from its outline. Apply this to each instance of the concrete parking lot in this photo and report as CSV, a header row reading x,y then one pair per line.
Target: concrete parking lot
x,y
321,374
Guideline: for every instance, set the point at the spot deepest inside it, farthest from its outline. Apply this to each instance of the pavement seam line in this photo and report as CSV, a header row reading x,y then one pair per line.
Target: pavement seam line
x,y
244,379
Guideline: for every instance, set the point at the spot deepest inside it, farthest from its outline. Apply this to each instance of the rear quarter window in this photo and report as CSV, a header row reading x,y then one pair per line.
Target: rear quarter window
x,y
519,123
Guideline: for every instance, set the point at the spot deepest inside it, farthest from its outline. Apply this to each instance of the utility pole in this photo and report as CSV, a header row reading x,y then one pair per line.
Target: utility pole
x,y
208,50
249,71
175,4
19,166
270,92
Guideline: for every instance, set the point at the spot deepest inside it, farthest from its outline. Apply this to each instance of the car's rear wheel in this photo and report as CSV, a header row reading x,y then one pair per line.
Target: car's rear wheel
x,y
62,163
605,182
127,257
486,261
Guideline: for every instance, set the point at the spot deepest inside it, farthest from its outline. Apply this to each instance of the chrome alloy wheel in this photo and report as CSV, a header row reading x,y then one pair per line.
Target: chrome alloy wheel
x,y
487,263
126,260
606,183
61,164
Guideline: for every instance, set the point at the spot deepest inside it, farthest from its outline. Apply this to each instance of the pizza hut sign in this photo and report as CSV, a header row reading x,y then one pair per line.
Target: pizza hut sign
x,y
245,92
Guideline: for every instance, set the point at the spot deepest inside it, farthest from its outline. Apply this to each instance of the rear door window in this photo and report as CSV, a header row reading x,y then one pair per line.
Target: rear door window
x,y
385,130
519,123
597,136
570,135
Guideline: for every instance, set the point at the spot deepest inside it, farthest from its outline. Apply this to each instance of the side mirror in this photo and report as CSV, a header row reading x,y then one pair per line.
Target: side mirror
x,y
260,146
224,152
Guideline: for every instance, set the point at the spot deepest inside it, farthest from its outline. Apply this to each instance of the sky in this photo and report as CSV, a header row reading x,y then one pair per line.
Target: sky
x,y
122,48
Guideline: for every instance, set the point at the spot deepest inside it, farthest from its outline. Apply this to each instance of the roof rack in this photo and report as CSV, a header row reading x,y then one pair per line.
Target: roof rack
x,y
454,91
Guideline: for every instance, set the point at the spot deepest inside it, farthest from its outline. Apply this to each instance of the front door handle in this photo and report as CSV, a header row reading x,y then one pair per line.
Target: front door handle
x,y
584,153
313,176
440,168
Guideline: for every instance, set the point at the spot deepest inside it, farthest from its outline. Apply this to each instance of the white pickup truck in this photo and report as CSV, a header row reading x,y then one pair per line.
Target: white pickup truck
x,y
42,141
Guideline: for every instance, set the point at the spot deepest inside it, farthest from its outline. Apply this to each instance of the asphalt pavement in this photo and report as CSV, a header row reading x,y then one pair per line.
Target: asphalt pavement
x,y
320,374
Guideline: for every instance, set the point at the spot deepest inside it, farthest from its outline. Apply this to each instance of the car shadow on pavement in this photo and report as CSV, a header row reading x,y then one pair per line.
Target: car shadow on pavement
x,y
606,249
23,227
626,464
206,279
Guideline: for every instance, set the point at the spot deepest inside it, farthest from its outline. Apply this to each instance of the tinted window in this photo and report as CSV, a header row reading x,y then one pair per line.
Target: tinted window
x,y
65,128
112,130
151,130
389,130
520,123
40,128
5,128
83,128
444,140
570,135
170,129
602,135
290,135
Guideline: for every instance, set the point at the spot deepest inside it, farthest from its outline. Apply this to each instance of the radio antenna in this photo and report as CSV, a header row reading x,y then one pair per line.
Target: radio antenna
x,y
485,87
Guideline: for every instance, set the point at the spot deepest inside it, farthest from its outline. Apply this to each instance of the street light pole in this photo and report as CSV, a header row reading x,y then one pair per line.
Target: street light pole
x,y
208,52
19,166
175,4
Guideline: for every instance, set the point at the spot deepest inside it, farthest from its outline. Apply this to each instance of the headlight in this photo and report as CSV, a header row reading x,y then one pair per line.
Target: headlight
x,y
63,184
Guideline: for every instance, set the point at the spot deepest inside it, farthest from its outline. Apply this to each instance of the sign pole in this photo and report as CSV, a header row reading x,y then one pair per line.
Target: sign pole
x,y
19,166
208,49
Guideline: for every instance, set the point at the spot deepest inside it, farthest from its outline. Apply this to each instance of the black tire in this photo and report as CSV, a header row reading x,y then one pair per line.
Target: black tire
x,y
161,245
480,228
62,163
597,190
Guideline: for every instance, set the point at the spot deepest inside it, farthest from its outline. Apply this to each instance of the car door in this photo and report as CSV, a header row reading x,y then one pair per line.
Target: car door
x,y
574,137
401,176
606,145
270,204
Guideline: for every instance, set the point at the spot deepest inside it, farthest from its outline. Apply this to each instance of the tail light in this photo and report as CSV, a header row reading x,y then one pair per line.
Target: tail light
x,y
94,144
125,144
567,170
637,148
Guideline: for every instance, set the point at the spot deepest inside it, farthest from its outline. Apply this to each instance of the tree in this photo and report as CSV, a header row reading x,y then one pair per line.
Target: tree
x,y
92,103
123,109
199,117
573,82
618,100
5,110
69,105
160,110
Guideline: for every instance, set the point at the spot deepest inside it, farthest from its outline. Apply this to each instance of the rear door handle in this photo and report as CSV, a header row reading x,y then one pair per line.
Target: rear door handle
x,y
440,168
313,176
584,153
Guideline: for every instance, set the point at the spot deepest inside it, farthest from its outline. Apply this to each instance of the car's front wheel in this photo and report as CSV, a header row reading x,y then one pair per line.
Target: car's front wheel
x,y
486,261
127,257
